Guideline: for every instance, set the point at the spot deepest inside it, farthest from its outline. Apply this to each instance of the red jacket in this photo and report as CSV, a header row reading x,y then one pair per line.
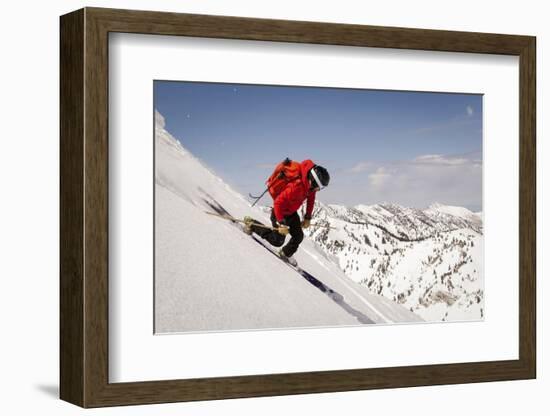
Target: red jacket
x,y
294,194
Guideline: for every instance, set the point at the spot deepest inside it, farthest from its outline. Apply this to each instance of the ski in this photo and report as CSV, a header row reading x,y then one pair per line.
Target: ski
x,y
276,254
333,295
272,251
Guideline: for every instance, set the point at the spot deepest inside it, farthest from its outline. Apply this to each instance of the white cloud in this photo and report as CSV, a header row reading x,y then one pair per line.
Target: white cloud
x,y
441,160
453,179
361,167
379,177
469,110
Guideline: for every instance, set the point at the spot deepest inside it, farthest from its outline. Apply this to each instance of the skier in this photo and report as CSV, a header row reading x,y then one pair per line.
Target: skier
x,y
290,185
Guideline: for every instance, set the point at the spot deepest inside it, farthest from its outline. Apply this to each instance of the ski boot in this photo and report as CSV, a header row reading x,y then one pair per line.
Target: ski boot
x,y
248,221
290,260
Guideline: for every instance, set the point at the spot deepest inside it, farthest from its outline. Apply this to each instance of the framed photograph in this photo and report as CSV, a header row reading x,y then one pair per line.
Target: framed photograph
x,y
255,207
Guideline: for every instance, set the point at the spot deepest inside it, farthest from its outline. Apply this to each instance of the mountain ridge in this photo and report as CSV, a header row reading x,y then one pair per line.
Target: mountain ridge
x,y
423,259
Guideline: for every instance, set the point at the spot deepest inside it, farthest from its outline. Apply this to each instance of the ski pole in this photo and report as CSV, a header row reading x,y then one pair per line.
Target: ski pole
x,y
259,197
230,218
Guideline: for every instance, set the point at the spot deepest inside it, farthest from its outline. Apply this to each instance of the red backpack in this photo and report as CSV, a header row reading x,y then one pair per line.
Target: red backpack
x,y
284,173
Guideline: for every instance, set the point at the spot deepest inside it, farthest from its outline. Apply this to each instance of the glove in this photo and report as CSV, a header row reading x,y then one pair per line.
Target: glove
x,y
306,223
283,230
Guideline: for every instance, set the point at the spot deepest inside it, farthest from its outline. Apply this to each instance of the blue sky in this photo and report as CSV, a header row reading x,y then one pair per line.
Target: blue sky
x,y
411,148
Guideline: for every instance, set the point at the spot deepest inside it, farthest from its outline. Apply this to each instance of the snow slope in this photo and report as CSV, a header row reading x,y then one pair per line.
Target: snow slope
x,y
210,276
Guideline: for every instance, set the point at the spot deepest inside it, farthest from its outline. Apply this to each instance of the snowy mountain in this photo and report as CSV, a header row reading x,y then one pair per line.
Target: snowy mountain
x,y
210,276
428,260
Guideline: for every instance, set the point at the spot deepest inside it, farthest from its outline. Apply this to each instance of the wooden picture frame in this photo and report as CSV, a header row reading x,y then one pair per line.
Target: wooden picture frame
x,y
84,207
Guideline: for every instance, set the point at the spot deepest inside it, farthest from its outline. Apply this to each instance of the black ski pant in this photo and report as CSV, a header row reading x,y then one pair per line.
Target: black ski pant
x,y
275,239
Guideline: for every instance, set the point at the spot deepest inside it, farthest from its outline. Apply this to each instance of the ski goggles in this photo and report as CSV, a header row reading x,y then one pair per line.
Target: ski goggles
x,y
317,181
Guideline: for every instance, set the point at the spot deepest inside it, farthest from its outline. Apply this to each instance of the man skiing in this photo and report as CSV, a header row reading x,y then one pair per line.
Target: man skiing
x,y
290,185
